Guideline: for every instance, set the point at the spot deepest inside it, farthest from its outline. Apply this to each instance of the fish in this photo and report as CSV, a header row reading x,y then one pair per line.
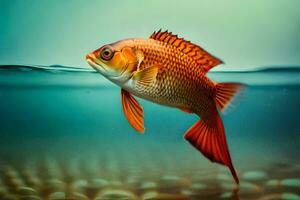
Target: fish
x,y
170,71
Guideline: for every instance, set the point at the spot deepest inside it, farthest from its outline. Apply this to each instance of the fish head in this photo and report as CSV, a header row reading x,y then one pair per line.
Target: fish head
x,y
116,61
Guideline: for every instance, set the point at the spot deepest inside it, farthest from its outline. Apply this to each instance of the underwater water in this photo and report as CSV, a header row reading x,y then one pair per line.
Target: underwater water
x,y
64,136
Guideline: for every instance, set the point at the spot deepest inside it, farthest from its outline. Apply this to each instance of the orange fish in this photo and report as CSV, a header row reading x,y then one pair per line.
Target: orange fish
x,y
170,71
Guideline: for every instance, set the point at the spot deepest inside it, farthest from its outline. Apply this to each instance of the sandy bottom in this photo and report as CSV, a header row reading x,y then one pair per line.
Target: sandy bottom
x,y
143,177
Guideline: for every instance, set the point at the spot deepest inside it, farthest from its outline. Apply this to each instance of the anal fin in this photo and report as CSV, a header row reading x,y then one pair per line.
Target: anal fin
x,y
208,136
133,111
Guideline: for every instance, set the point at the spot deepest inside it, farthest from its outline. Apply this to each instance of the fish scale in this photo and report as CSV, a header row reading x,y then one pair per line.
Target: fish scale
x,y
184,79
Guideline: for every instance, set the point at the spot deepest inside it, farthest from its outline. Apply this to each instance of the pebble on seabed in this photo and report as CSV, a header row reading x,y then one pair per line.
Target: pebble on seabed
x,y
291,182
63,196
255,176
26,191
198,186
226,195
224,177
55,185
149,185
187,192
290,196
244,187
117,194
57,196
283,196
153,195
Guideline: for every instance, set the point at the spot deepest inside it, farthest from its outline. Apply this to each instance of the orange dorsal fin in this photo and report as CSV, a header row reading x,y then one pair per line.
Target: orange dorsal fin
x,y
199,55
225,93
133,111
208,136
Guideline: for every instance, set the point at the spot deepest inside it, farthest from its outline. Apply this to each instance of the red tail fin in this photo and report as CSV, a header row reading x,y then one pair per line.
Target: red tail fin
x,y
208,136
225,93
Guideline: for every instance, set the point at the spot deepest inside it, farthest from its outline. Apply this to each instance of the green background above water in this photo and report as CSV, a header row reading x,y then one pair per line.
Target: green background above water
x,y
244,34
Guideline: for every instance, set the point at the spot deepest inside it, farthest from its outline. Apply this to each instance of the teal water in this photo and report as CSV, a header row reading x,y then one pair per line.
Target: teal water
x,y
66,124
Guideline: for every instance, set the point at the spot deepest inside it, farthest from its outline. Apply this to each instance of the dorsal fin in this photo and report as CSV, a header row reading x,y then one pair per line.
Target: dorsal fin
x,y
202,57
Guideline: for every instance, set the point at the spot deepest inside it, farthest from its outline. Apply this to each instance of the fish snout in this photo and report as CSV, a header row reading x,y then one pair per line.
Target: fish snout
x,y
89,56
94,55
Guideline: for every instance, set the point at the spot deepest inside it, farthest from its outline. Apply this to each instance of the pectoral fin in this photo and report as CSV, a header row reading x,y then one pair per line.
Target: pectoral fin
x,y
133,111
146,76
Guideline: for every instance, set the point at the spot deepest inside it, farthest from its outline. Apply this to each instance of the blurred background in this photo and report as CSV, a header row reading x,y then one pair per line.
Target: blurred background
x,y
245,34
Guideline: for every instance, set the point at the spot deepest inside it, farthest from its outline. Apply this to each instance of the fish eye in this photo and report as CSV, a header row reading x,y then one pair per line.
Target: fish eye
x,y
106,53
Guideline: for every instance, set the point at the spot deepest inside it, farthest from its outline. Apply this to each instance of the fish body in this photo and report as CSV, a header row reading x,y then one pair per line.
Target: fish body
x,y
170,71
179,81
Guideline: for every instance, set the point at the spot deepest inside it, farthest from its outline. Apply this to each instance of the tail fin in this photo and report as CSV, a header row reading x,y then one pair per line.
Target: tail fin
x,y
225,92
208,136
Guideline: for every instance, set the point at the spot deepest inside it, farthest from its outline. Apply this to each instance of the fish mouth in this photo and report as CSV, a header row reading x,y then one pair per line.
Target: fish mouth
x,y
90,59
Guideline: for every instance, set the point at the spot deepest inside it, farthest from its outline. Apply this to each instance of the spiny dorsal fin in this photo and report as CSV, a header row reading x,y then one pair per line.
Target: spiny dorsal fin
x,y
202,57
